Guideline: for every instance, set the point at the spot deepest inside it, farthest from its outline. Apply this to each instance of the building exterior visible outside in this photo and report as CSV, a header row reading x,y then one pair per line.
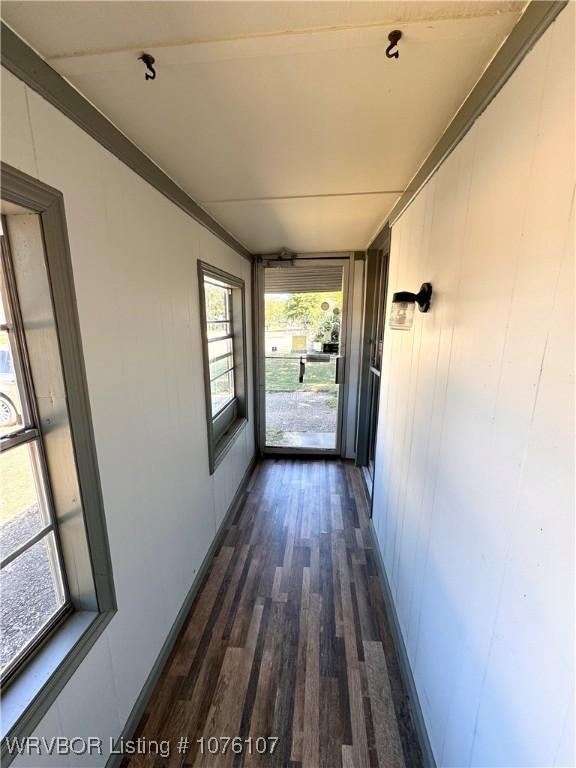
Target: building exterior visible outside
x,y
297,327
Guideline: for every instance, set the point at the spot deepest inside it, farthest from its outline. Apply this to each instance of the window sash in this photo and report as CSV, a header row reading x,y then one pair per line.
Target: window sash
x,y
223,373
32,485
28,434
226,291
223,331
33,644
15,554
224,356
227,324
50,528
212,342
221,338
230,395
225,417
13,439
10,326
221,364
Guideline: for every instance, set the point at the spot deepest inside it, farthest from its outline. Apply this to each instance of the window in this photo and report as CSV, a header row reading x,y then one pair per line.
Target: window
x,y
218,302
222,308
57,590
32,581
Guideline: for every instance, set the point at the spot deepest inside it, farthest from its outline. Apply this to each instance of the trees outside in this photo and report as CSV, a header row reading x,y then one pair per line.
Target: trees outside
x,y
275,313
301,310
216,298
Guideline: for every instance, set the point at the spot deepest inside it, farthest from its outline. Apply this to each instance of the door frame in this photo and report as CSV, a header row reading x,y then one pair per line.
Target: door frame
x,y
374,330
293,262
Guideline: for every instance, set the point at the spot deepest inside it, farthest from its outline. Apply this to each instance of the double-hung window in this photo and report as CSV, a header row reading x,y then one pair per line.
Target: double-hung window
x,y
220,333
56,585
223,317
34,593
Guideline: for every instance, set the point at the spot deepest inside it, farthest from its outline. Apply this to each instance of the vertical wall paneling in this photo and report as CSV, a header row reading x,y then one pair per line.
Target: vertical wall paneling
x,y
474,476
134,261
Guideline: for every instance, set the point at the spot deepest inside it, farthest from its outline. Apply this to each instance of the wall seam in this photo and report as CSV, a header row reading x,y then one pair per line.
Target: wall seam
x,y
30,68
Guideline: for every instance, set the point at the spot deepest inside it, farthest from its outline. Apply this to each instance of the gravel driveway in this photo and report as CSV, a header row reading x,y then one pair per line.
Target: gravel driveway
x,y
27,594
301,411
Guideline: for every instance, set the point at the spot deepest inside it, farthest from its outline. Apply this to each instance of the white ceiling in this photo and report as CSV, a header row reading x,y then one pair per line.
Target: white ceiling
x,y
285,120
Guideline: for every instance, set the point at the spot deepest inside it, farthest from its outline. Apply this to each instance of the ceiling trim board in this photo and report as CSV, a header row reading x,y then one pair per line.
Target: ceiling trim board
x,y
274,35
303,197
27,65
382,240
535,20
244,48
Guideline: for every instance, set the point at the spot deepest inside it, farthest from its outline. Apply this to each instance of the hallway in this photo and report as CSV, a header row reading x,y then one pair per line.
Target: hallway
x,y
288,636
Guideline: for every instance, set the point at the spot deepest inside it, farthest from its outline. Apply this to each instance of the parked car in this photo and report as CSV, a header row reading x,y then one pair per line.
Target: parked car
x,y
9,415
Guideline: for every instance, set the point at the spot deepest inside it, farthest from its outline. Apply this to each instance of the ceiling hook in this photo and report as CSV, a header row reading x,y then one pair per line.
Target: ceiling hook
x,y
394,38
148,59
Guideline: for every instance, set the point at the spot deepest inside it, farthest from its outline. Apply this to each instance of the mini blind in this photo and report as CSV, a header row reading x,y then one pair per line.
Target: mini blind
x,y
287,279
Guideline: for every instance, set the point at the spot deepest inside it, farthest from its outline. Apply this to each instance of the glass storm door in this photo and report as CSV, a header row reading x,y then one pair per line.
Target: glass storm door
x,y
304,344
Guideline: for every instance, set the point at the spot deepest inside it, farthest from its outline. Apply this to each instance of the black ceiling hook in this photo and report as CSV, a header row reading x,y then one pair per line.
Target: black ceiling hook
x,y
394,38
148,59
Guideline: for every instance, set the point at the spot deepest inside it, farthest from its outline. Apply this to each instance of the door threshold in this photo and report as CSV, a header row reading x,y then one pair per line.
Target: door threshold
x,y
312,453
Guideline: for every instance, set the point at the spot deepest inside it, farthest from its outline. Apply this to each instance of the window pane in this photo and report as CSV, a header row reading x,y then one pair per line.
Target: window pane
x,y
218,328
220,366
10,403
222,391
217,301
23,509
32,593
219,349
221,357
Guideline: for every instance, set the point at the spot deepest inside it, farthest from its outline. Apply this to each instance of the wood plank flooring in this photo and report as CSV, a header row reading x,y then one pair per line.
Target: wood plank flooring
x,y
288,637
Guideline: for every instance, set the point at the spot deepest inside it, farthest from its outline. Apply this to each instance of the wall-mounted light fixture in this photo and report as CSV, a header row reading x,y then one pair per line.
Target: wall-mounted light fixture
x,y
403,304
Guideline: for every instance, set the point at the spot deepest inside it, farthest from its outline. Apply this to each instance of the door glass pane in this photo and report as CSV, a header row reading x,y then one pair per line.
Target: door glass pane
x,y
23,510
32,593
11,418
301,415
302,339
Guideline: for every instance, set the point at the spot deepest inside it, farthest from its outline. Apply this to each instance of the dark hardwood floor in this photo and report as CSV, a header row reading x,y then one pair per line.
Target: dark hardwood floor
x,y
288,638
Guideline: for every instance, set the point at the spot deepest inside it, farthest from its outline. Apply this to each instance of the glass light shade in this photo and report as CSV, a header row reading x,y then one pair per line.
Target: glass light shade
x,y
402,315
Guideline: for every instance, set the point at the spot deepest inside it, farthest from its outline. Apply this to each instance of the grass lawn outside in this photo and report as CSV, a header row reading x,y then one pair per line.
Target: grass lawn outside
x,y
17,483
282,376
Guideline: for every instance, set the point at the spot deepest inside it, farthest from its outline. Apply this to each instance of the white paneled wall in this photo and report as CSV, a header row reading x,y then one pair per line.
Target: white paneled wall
x,y
134,259
473,502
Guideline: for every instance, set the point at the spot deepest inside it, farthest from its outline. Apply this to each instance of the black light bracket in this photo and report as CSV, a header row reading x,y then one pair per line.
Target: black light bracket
x,y
422,298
